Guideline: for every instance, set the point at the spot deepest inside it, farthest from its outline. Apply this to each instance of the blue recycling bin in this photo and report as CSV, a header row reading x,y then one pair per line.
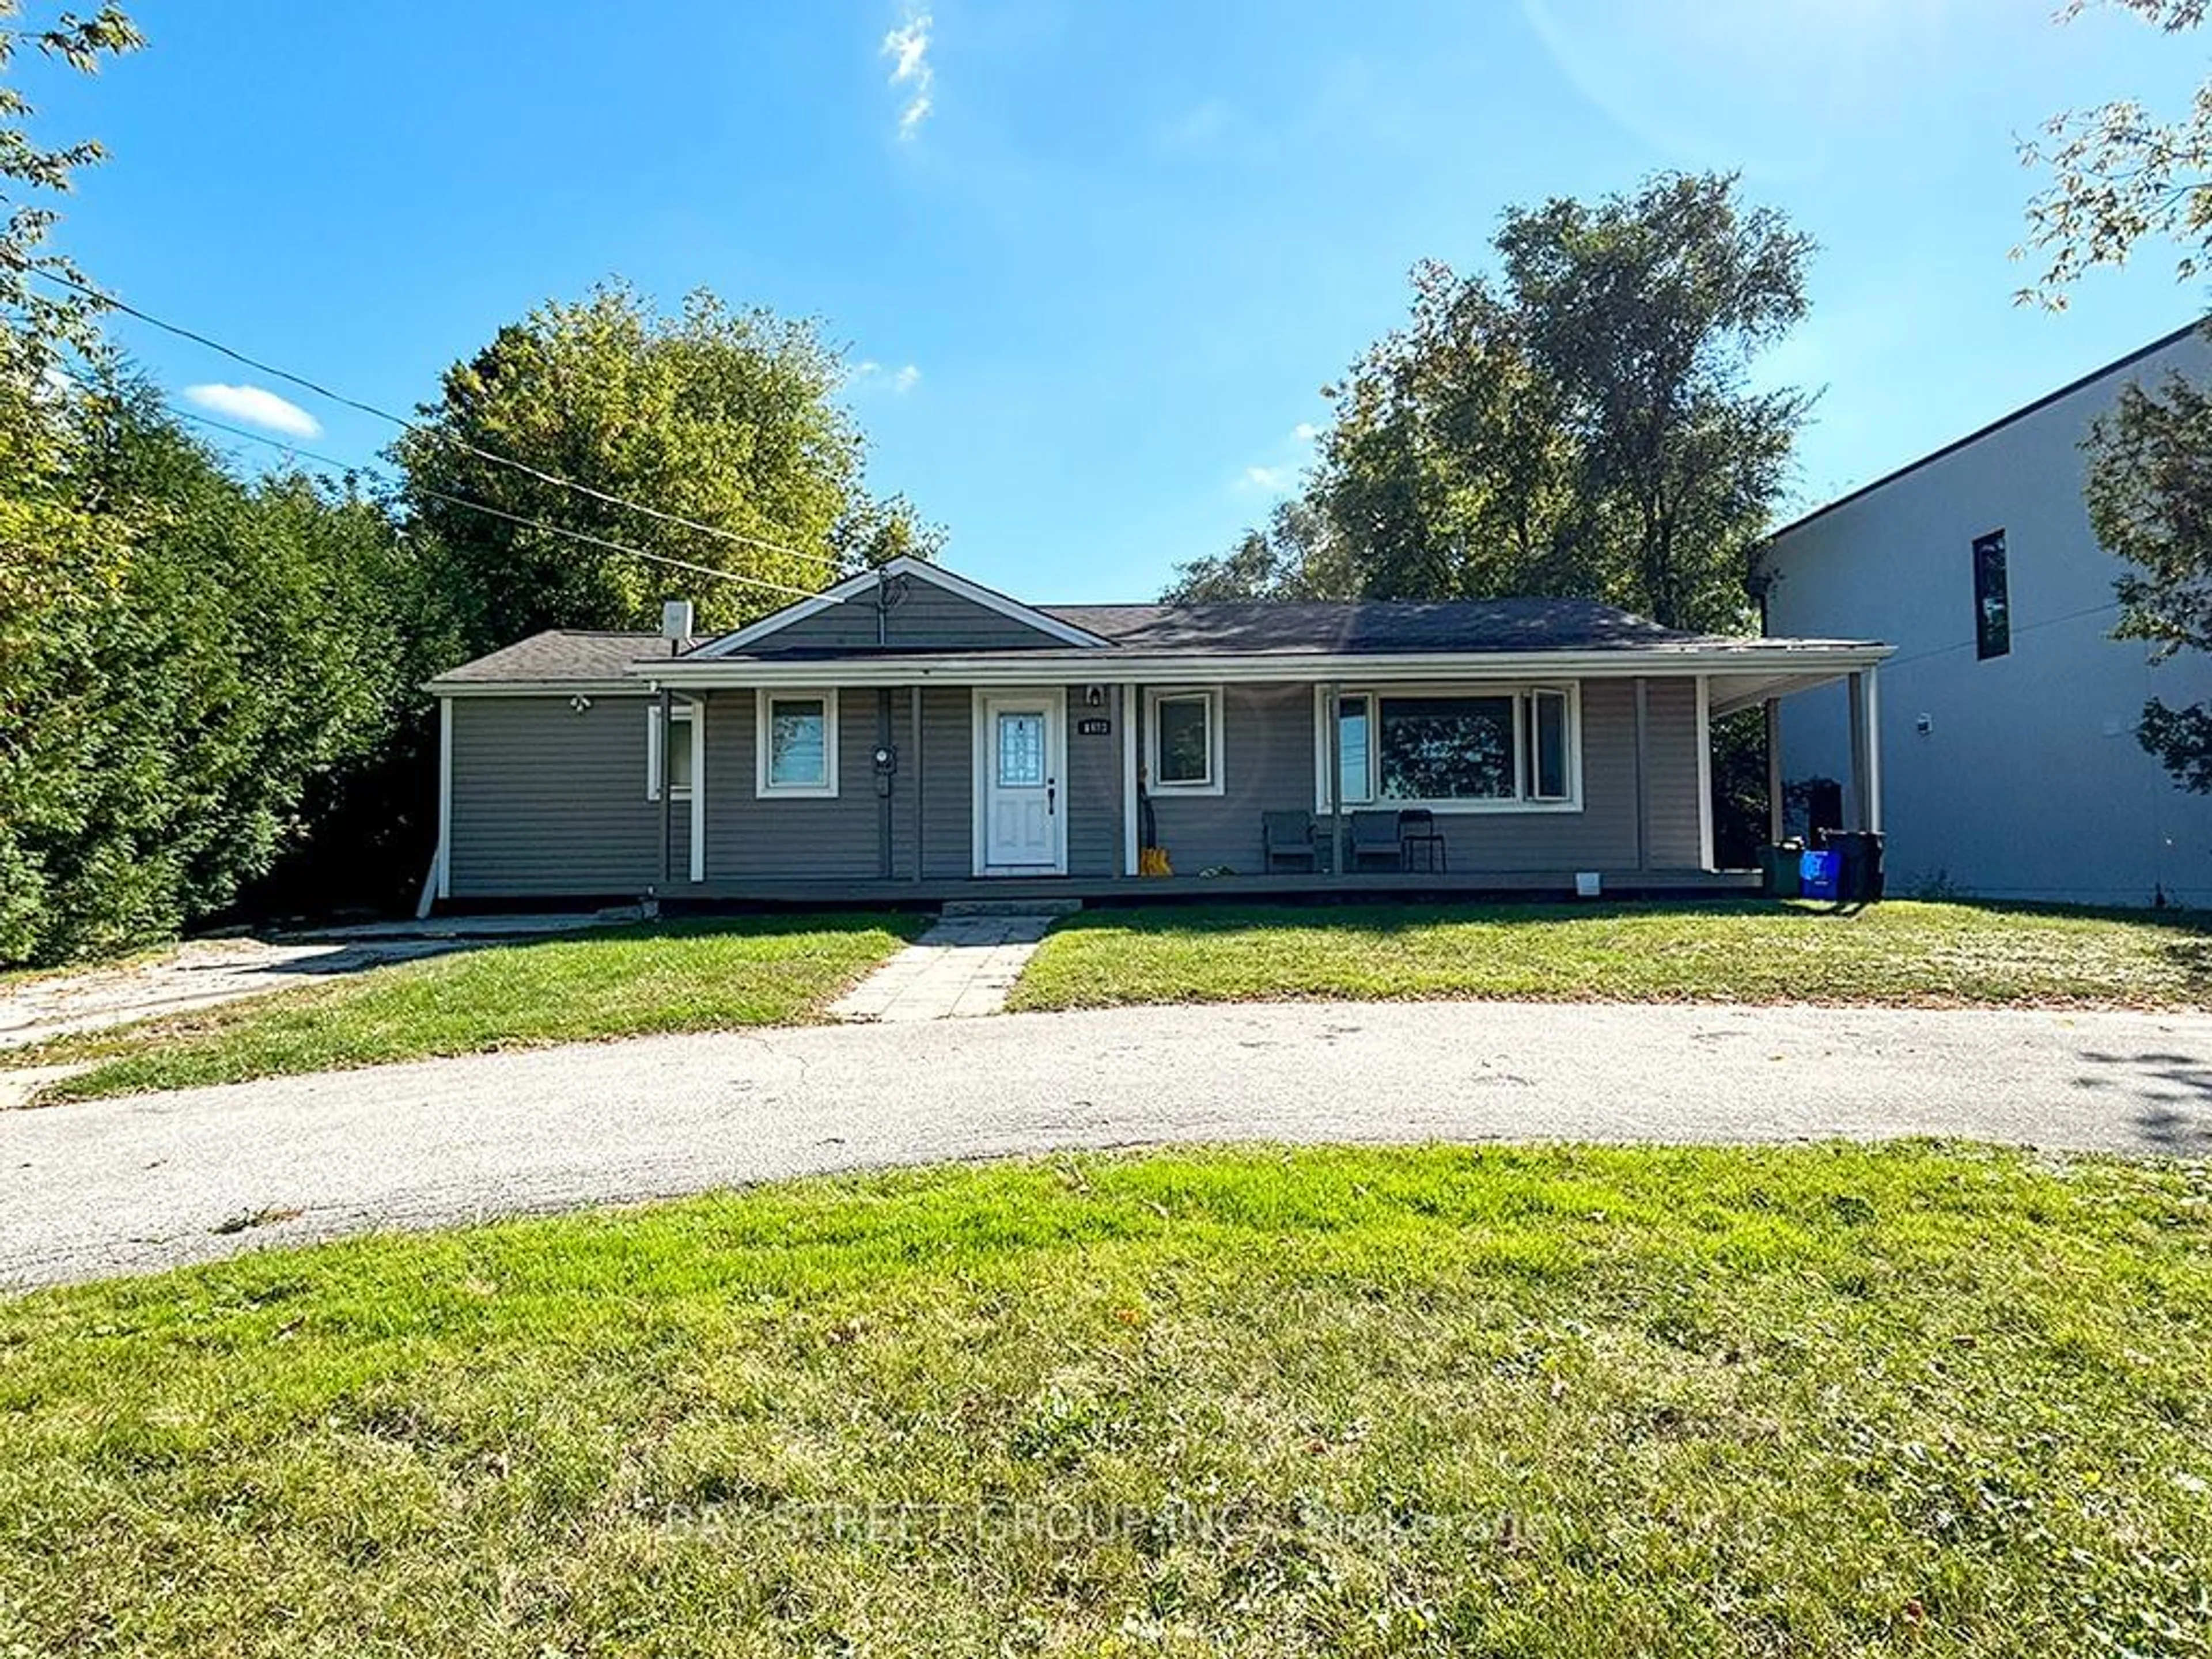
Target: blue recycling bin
x,y
1820,873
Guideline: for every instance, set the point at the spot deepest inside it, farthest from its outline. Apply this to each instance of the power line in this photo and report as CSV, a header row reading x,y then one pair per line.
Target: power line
x,y
401,421
2025,628
485,508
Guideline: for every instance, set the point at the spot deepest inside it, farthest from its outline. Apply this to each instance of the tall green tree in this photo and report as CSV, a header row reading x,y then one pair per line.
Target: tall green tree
x,y
164,728
1581,423
2117,174
2149,496
729,419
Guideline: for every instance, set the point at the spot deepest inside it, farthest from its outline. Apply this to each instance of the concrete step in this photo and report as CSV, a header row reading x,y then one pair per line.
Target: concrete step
x,y
955,908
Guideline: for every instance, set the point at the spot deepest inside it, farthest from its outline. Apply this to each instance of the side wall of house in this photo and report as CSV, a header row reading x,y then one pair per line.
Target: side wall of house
x,y
549,800
2016,776
1269,764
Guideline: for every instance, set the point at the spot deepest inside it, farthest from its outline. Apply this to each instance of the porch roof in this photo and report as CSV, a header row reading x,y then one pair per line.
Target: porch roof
x,y
1369,642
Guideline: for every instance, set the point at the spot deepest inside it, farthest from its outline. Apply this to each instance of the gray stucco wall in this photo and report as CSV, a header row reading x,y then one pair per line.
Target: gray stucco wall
x,y
549,801
927,619
2027,781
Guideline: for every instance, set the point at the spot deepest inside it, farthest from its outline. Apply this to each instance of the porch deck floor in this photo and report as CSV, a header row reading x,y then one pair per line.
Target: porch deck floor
x,y
1134,889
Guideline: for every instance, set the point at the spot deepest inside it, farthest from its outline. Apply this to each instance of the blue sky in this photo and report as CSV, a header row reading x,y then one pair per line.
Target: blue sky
x,y
1103,273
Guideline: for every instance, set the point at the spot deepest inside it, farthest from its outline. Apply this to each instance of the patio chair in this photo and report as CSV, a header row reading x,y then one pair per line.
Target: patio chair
x,y
1288,835
1374,836
1418,834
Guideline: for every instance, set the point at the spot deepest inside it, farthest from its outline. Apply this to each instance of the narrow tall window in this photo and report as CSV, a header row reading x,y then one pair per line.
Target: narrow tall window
x,y
1992,600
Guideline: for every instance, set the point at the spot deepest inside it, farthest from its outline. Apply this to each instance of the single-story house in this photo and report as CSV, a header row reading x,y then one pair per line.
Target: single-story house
x,y
2007,720
910,733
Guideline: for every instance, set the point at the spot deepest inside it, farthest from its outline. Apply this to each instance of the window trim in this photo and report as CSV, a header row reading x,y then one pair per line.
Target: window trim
x,y
1211,784
764,703
1521,691
687,715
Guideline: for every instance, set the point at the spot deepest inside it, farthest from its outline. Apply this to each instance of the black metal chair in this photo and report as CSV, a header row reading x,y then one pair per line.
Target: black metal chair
x,y
1417,830
1374,835
1289,836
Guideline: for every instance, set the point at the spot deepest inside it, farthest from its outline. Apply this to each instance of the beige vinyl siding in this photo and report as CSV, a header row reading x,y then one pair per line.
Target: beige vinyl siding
x,y
548,801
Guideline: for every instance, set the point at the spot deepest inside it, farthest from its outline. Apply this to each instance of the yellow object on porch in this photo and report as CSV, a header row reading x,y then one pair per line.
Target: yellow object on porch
x,y
1153,861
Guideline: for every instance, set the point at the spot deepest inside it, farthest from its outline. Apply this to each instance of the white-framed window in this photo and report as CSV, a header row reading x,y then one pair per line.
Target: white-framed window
x,y
1182,740
685,767
795,745
1458,749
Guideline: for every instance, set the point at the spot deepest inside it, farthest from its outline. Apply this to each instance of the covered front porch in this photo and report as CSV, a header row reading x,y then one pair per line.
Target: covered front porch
x,y
1598,780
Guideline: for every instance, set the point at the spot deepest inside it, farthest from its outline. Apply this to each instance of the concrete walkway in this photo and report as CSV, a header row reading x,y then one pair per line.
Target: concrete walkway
x,y
120,1186
963,967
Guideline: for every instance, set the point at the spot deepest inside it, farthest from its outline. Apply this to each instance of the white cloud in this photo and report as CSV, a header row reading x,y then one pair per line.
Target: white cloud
x,y
257,406
1280,476
908,47
899,381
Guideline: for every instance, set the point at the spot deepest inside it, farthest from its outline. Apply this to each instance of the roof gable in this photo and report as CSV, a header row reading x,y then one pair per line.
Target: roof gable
x,y
955,606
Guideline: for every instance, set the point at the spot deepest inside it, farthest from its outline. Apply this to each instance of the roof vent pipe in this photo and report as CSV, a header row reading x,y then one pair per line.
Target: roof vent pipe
x,y
676,619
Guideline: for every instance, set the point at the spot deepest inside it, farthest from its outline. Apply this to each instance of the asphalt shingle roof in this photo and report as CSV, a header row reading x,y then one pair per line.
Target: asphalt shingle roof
x,y
1241,627
1368,627
561,653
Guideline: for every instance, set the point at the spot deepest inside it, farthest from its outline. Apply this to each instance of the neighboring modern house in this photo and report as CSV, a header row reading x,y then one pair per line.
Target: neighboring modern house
x,y
908,733
2008,717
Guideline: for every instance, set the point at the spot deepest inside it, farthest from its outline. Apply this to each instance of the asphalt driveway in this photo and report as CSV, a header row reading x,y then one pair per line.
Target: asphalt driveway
x,y
128,1185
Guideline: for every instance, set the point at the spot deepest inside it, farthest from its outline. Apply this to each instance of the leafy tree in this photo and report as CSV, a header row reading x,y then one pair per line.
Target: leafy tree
x,y
2117,174
1580,425
164,728
2149,496
725,418
1293,558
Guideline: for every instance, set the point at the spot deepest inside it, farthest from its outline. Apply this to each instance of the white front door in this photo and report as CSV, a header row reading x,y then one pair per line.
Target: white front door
x,y
1023,743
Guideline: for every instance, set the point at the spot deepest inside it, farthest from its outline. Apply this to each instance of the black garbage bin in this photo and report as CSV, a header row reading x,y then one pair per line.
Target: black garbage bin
x,y
1779,870
1859,878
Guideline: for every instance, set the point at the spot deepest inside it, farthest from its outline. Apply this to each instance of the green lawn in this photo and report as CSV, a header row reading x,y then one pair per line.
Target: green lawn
x,y
1747,950
614,983
1835,1400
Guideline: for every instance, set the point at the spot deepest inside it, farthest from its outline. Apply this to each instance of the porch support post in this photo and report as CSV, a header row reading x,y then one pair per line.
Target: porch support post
x,y
660,780
1872,720
1777,823
1854,690
1332,716
1642,773
1126,703
914,770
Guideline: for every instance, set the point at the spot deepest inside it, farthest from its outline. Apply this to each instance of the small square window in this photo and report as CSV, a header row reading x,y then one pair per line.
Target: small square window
x,y
1184,741
798,739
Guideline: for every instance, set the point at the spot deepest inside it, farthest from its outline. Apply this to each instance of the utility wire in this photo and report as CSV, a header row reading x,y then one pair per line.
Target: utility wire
x,y
481,506
2024,627
417,426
